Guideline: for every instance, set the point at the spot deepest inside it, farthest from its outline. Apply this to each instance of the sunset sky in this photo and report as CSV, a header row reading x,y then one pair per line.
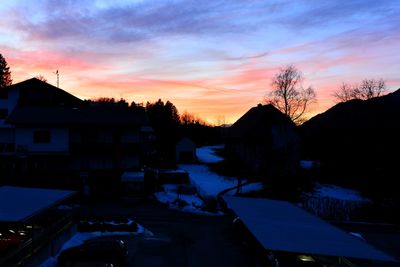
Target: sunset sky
x,y
211,58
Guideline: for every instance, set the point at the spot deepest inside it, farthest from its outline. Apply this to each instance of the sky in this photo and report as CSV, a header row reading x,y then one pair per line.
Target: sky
x,y
214,59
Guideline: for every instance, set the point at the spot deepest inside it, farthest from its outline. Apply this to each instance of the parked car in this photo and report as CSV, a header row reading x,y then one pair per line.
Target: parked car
x,y
110,252
12,239
287,259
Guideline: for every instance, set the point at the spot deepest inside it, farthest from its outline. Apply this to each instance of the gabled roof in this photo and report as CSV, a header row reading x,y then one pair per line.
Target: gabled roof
x,y
78,116
36,91
257,122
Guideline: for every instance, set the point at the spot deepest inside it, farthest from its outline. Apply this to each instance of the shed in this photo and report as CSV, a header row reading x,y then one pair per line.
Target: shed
x,y
185,151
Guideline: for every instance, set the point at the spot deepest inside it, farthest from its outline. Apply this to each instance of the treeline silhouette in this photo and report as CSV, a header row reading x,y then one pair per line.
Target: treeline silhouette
x,y
169,127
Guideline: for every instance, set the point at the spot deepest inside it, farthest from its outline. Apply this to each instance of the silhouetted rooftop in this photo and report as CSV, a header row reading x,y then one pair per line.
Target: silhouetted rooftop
x,y
257,121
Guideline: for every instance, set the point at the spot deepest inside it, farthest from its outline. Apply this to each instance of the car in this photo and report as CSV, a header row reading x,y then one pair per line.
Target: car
x,y
287,259
11,239
113,252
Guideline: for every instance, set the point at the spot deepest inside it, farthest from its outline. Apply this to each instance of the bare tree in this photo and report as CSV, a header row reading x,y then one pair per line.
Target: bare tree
x,y
189,118
41,78
345,93
288,94
368,89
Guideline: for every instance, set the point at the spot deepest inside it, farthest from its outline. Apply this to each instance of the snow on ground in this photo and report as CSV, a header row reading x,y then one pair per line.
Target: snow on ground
x,y
333,202
208,183
206,154
336,192
247,189
170,196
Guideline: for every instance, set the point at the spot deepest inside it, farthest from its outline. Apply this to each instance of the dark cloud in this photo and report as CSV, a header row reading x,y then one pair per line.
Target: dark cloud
x,y
135,22
316,14
260,55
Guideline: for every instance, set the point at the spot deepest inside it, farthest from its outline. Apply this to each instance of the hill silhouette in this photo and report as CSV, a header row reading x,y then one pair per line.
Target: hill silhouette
x,y
357,143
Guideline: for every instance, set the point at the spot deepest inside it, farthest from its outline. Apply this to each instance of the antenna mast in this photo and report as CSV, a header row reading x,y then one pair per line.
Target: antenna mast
x,y
58,78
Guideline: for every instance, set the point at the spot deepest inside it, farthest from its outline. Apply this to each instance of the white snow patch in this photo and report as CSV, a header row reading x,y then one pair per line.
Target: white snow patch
x,y
206,154
195,204
253,187
208,183
169,197
336,192
195,210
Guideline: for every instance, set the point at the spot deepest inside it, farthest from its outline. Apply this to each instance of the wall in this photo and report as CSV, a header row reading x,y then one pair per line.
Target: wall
x,y
59,140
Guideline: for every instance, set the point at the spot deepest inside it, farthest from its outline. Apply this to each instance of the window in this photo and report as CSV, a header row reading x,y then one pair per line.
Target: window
x,y
3,94
41,137
3,113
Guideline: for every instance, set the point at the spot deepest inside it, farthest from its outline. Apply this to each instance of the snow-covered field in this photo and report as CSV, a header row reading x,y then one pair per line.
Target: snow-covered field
x,y
333,202
336,192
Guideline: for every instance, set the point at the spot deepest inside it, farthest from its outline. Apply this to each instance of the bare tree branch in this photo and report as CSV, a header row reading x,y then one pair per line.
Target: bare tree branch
x,y
289,96
369,88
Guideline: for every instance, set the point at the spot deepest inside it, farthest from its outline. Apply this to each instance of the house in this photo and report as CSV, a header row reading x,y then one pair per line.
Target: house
x,y
54,134
185,150
264,142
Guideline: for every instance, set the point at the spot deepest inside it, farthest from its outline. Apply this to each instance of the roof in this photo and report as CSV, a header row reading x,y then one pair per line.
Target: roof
x,y
18,204
79,116
35,91
282,226
258,121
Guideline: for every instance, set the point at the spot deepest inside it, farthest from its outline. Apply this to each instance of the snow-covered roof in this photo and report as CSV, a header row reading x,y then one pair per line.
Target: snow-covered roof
x,y
132,177
282,226
18,204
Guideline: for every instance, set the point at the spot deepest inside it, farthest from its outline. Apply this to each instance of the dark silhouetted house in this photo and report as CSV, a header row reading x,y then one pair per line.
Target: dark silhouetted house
x,y
56,135
185,151
264,142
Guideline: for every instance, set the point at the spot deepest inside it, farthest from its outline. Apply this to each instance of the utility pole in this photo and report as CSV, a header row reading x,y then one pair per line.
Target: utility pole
x,y
58,78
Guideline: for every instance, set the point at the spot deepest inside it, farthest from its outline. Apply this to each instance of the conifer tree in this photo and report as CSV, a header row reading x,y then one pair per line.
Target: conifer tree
x,y
5,74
